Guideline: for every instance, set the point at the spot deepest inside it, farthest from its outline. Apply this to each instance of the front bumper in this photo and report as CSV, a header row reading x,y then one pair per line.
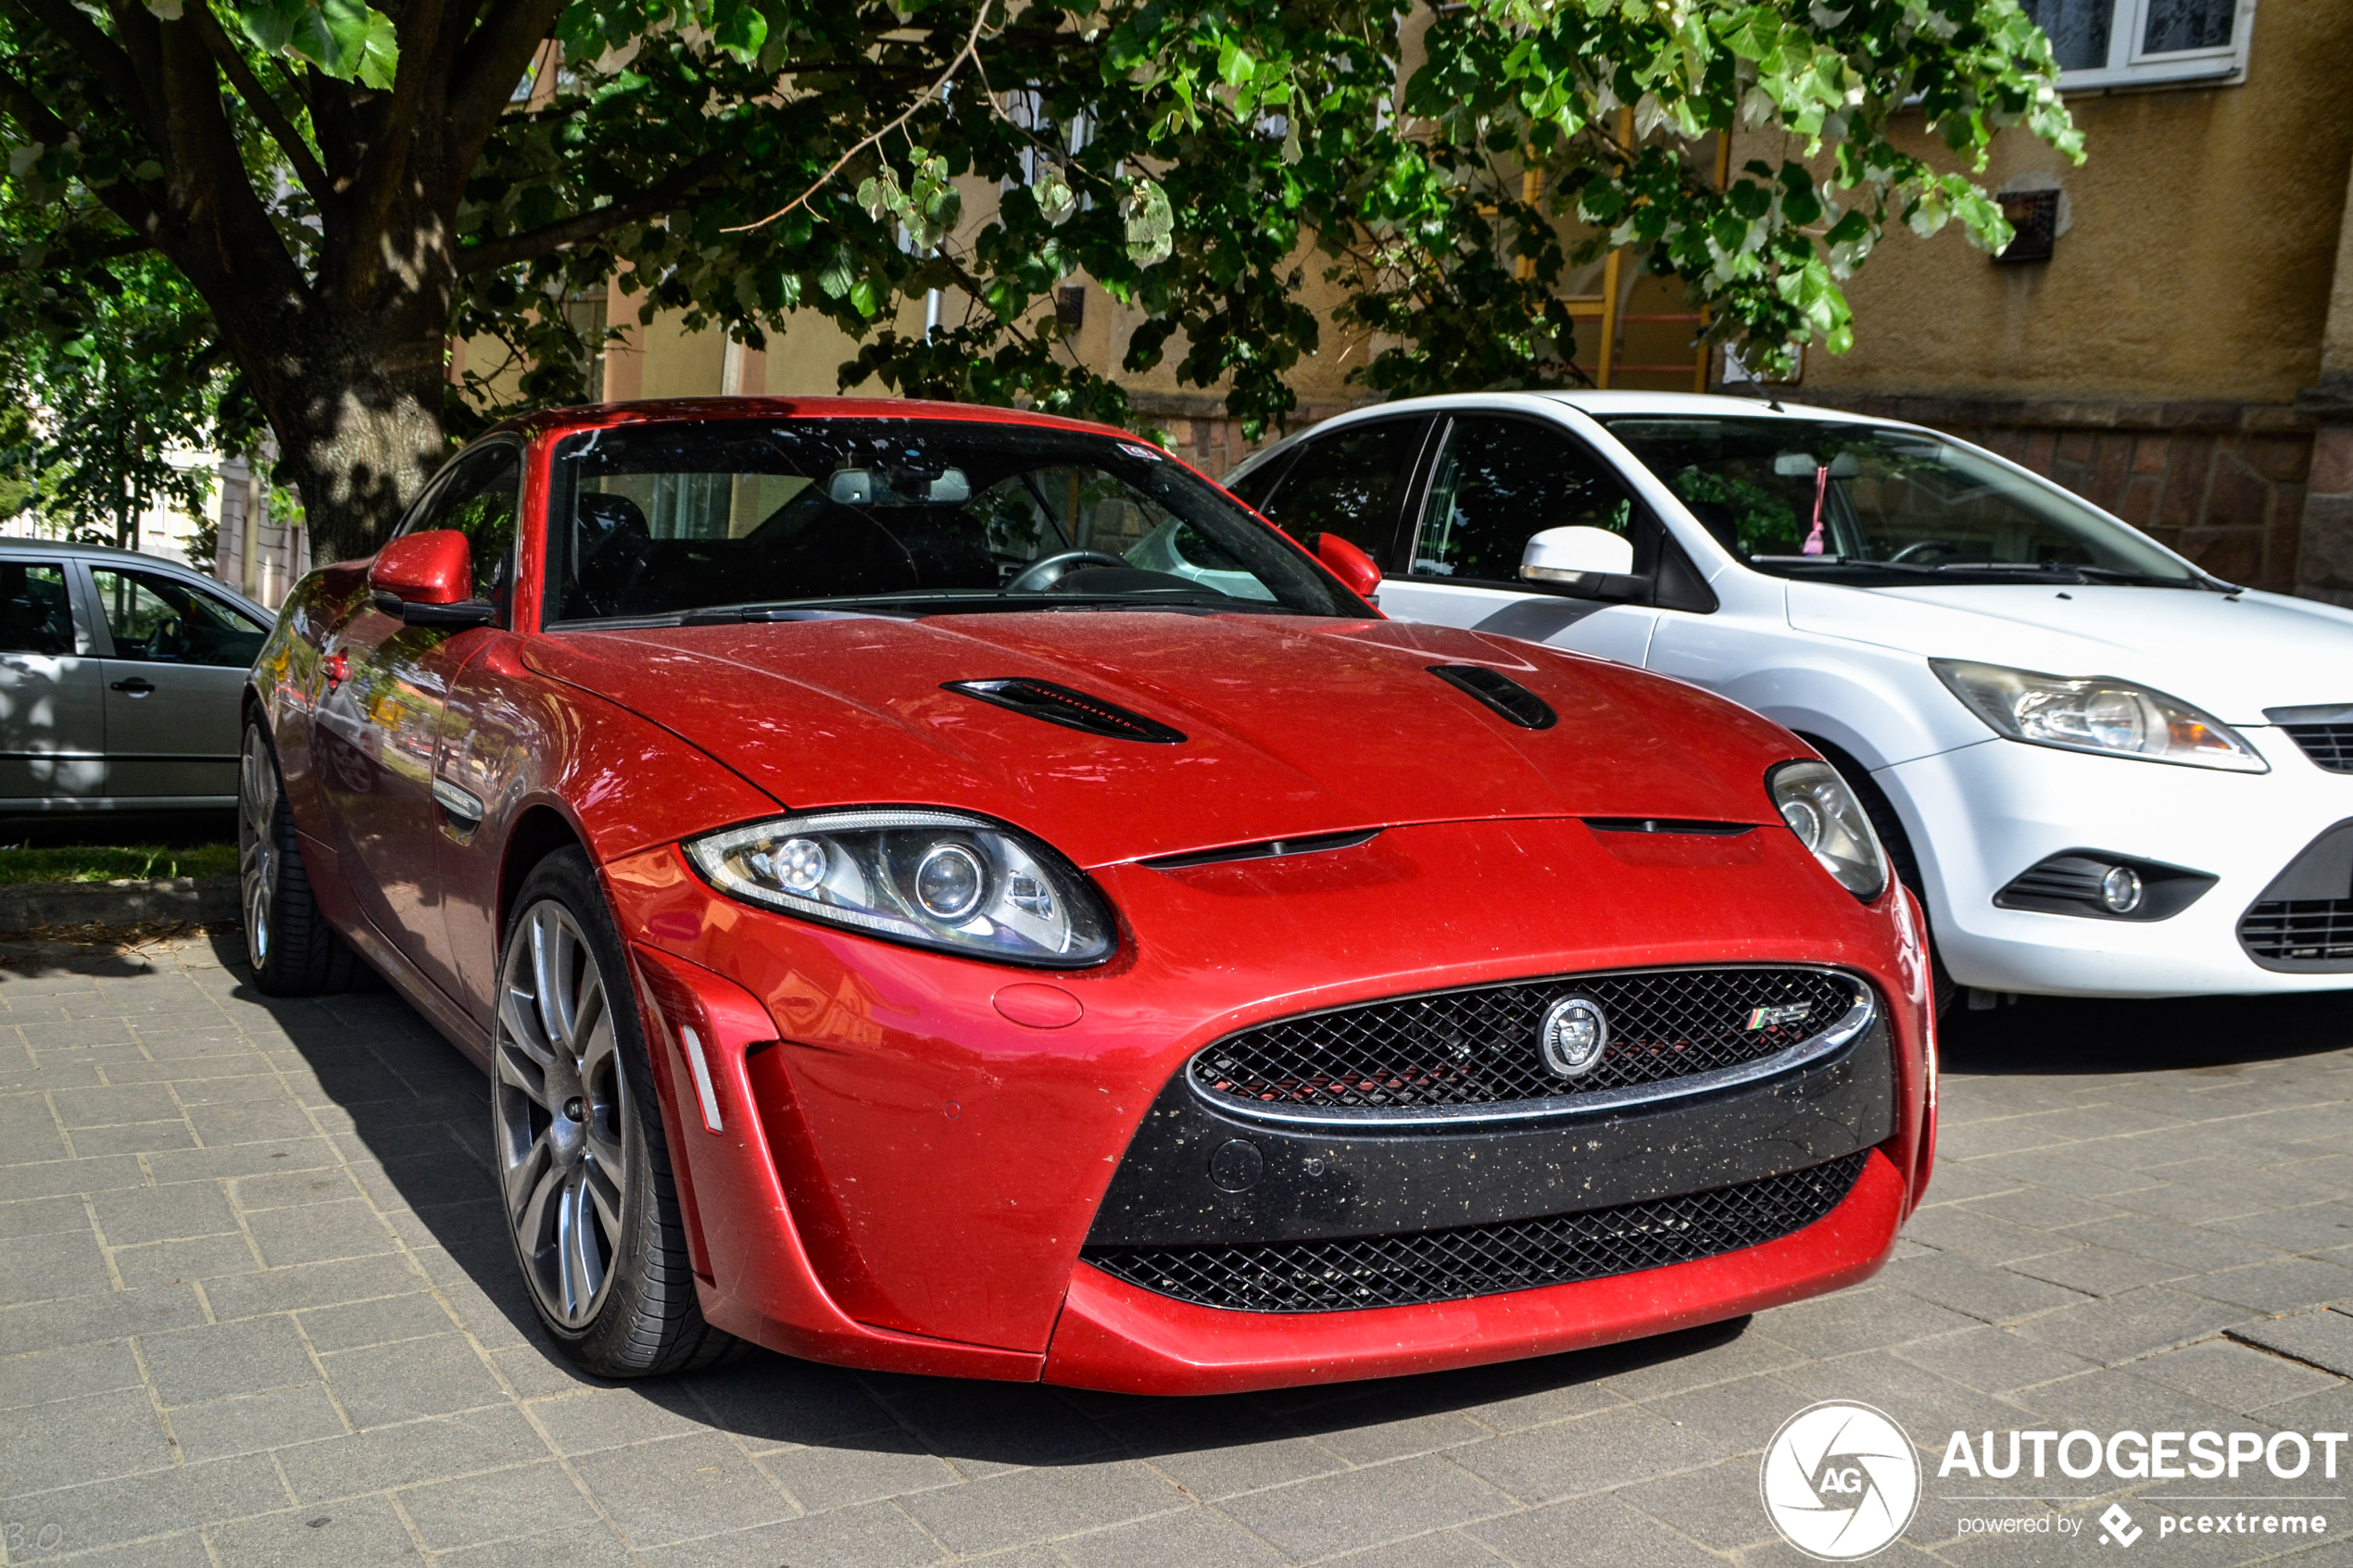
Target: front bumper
x,y
1981,814
1115,1336
906,1173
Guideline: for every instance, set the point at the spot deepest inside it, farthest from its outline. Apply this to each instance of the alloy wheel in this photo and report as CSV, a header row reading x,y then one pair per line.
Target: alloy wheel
x,y
562,1122
256,843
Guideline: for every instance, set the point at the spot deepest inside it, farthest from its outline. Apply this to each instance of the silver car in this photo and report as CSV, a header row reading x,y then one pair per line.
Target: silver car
x,y
119,676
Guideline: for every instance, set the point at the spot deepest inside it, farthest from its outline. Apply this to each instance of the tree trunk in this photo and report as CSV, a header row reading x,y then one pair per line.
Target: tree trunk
x,y
357,409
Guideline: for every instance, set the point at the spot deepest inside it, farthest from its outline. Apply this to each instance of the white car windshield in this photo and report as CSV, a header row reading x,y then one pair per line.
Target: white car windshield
x,y
1878,504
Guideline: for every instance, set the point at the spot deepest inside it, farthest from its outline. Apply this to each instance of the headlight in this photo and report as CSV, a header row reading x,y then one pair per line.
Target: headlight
x,y
2113,717
1828,820
941,879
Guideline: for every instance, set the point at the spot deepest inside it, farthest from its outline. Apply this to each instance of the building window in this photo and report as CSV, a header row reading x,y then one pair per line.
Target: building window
x,y
2126,42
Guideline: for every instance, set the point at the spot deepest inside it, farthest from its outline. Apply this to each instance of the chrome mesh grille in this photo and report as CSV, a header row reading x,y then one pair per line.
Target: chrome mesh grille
x,y
1450,1265
1480,1046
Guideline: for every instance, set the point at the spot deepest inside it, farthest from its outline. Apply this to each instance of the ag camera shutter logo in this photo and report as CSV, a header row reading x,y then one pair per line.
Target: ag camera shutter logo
x,y
1840,1481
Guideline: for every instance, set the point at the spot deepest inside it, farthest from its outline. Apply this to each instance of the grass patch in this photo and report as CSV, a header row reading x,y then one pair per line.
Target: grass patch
x,y
95,863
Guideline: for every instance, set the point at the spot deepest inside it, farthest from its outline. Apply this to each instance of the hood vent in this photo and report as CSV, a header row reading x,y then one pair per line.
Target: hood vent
x,y
1705,829
1267,849
1500,693
1072,709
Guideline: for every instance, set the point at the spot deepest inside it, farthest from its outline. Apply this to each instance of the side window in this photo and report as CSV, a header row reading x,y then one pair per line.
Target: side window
x,y
1348,482
480,499
35,616
160,620
1499,481
1252,486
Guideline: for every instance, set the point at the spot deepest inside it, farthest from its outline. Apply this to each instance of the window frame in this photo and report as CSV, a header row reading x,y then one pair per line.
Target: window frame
x,y
1643,526
1413,478
82,607
2129,65
427,503
102,627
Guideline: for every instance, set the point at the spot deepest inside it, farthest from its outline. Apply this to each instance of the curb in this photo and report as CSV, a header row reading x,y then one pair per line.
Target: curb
x,y
206,900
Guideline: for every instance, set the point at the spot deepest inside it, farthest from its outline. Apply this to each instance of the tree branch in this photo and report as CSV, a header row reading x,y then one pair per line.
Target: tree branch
x,y
111,250
123,198
970,50
664,195
107,58
482,83
264,107
390,160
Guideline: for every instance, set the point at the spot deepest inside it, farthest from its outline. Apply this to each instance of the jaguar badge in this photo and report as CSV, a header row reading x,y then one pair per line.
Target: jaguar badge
x,y
1572,1036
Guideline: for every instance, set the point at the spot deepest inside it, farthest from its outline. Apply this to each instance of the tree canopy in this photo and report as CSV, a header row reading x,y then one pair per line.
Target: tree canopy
x,y
344,185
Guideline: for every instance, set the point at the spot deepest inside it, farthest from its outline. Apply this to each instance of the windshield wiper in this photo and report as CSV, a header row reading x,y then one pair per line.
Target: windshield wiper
x,y
2154,580
1914,566
969,603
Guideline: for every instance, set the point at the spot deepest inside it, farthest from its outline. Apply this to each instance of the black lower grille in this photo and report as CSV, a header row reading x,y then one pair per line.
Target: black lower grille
x,y
2300,929
1480,1047
1398,1270
2330,746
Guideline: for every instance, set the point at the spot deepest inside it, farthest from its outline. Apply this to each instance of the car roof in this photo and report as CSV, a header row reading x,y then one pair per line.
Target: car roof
x,y
105,555
1603,404
591,415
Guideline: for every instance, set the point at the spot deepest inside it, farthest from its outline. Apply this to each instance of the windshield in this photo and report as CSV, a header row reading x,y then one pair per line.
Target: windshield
x,y
1872,504
735,519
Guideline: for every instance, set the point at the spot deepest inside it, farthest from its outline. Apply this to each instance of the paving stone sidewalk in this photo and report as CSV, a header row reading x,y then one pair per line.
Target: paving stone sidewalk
x,y
256,1309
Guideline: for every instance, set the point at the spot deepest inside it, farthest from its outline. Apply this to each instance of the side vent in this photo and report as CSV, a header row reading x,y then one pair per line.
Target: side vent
x,y
1073,709
1267,849
1500,693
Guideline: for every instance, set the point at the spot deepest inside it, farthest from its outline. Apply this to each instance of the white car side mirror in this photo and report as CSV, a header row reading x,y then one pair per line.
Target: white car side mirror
x,y
1565,555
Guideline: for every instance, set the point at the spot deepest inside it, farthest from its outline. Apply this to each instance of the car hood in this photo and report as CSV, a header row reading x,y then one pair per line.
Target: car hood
x,y
1293,726
2233,656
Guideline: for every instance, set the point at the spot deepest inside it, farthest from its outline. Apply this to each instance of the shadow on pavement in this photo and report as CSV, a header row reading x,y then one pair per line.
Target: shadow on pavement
x,y
2080,1034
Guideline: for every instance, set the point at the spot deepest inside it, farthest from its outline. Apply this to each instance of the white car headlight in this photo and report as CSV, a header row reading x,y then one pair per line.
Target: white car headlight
x,y
941,879
1828,820
2093,713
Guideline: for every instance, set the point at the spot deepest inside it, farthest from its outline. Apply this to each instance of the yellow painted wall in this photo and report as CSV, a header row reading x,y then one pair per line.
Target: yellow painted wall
x,y
2205,232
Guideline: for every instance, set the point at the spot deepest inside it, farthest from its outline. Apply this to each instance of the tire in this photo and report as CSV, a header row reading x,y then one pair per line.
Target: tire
x,y
293,950
584,1168
1890,828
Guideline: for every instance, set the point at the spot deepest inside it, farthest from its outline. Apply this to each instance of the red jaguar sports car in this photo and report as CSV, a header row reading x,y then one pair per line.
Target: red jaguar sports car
x,y
953,891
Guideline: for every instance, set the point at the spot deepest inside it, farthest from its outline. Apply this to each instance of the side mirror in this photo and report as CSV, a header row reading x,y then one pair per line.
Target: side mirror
x,y
1565,555
1583,563
1351,565
424,579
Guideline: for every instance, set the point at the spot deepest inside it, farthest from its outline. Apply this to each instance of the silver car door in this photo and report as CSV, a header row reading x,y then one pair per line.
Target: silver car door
x,y
52,720
1499,478
178,657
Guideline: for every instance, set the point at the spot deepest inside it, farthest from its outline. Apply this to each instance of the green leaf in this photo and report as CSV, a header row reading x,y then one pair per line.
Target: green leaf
x,y
1149,225
1056,201
348,40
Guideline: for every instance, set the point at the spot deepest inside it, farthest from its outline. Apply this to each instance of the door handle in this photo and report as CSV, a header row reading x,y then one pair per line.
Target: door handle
x,y
137,685
461,805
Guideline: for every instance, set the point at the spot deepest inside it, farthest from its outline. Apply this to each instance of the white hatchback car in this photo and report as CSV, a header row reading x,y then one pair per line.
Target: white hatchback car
x,y
2105,772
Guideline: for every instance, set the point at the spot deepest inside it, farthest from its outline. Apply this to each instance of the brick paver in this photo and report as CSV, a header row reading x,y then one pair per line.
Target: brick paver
x,y
255,1308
